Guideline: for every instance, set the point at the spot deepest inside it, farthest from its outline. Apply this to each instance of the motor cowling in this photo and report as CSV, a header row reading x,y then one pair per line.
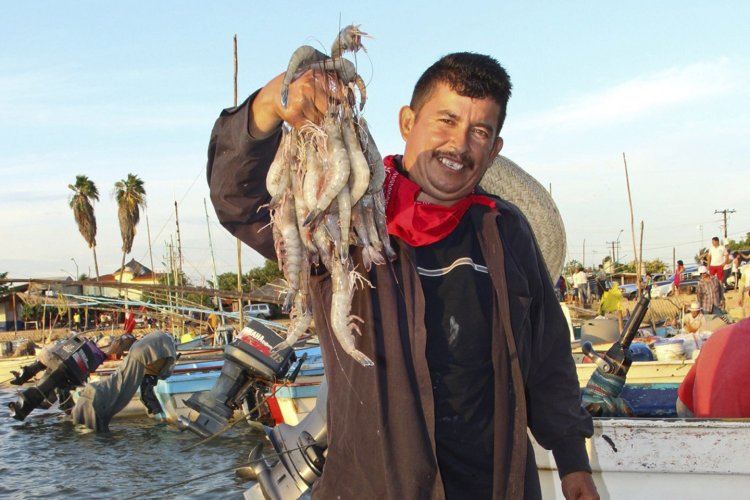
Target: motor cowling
x,y
68,364
256,356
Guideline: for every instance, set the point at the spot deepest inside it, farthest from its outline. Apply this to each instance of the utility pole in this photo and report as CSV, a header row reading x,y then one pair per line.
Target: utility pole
x,y
725,212
613,249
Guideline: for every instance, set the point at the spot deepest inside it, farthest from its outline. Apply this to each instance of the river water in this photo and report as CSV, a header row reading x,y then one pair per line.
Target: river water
x,y
46,456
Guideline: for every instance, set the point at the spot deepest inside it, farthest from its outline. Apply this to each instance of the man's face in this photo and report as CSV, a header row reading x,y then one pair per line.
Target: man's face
x,y
715,243
450,143
694,313
705,276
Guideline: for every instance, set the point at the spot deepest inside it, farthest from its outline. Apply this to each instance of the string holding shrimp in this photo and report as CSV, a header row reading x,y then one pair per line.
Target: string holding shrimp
x,y
326,187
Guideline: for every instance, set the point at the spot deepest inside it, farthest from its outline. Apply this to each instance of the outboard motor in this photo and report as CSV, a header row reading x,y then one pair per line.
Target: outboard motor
x,y
301,450
251,359
68,365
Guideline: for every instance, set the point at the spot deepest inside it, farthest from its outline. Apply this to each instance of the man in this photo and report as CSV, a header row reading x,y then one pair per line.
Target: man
x,y
716,386
718,257
466,358
695,321
581,285
709,293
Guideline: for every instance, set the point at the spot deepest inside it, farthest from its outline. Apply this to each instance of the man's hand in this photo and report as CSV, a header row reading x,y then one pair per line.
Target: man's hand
x,y
308,100
579,486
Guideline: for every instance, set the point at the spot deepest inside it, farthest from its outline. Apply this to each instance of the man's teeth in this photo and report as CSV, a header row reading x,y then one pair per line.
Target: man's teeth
x,y
453,165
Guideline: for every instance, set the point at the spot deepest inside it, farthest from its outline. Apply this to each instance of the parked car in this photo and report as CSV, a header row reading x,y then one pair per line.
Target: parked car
x,y
689,278
261,311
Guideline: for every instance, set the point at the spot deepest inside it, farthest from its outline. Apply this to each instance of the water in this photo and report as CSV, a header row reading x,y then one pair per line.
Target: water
x,y
46,456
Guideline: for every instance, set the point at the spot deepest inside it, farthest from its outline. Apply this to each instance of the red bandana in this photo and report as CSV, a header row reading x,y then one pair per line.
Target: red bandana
x,y
420,223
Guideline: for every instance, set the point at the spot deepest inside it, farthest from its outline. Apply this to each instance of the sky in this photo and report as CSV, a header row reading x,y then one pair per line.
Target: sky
x,y
105,89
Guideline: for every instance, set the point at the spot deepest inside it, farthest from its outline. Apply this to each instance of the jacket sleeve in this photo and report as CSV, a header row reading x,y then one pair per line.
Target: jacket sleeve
x,y
236,172
553,396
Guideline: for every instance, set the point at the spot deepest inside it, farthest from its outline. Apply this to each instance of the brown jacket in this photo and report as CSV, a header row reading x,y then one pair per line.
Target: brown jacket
x,y
381,419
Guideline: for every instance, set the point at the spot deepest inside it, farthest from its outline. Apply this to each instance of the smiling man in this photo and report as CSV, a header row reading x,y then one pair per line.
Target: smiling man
x,y
469,342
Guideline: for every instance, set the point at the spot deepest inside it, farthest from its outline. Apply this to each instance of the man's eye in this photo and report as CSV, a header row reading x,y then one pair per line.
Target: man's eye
x,y
479,132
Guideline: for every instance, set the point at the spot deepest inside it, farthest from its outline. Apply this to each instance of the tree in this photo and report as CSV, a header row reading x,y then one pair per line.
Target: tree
x,y
741,245
131,197
3,286
259,276
84,193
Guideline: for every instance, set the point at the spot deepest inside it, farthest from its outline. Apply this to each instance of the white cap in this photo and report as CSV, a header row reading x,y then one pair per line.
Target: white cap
x,y
695,306
702,270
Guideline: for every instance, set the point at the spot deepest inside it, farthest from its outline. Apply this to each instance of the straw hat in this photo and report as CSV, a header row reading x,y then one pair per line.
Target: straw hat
x,y
510,182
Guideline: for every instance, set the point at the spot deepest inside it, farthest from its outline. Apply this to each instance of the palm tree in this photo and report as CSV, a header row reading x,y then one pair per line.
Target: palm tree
x,y
131,197
84,193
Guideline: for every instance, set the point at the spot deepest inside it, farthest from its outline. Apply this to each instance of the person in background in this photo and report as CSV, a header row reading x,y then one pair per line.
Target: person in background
x,y
710,293
717,384
738,258
601,282
77,320
743,290
718,257
561,289
581,286
694,321
678,277
648,282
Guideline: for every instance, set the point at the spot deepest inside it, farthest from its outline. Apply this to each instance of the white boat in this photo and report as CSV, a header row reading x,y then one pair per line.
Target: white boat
x,y
661,459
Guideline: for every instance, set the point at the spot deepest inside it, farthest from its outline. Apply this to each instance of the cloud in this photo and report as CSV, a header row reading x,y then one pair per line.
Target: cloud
x,y
642,96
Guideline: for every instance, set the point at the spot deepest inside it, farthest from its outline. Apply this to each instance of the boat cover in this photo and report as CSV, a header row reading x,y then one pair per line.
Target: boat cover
x,y
99,401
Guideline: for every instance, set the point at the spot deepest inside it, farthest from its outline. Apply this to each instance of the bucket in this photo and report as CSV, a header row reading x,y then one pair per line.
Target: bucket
x,y
669,350
600,331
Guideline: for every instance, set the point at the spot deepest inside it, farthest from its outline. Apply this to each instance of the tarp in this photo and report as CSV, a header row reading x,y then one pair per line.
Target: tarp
x,y
100,401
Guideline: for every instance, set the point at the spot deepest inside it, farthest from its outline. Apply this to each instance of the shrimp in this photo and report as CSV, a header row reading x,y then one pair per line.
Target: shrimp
x,y
380,224
300,208
289,248
333,228
337,173
370,253
359,176
298,64
348,39
277,179
323,243
374,159
344,203
342,323
368,215
313,175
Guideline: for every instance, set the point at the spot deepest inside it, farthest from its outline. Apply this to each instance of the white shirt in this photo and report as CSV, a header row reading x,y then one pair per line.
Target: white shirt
x,y
693,324
579,279
717,254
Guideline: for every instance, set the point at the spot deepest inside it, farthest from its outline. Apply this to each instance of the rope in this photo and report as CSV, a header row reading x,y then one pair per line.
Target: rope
x,y
230,425
162,489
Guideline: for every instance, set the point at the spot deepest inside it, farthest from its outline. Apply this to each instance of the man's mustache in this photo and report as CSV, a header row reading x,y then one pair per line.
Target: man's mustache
x,y
454,156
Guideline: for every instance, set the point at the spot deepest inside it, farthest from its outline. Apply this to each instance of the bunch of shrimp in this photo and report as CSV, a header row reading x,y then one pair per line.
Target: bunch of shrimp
x,y
326,187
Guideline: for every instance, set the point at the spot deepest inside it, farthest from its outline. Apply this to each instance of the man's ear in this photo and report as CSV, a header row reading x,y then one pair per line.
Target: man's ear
x,y
497,147
406,118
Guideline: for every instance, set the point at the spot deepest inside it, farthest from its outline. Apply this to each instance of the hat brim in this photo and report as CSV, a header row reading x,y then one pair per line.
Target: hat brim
x,y
508,181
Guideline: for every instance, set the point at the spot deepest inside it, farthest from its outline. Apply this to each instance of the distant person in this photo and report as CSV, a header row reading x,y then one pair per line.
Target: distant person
x,y
581,286
716,386
77,320
743,290
710,293
129,324
678,277
601,282
648,282
213,322
718,257
694,321
738,258
561,289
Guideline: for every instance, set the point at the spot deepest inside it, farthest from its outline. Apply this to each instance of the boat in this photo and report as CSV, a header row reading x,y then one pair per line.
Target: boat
x,y
661,458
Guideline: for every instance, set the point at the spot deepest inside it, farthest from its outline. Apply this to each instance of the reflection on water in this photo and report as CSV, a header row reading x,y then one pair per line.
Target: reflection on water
x,y
46,456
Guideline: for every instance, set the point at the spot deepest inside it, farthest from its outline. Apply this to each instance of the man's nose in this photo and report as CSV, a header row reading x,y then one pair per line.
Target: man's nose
x,y
460,139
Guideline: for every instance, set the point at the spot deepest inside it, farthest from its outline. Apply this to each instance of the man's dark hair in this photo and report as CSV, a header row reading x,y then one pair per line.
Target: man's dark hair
x,y
715,238
680,263
469,75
